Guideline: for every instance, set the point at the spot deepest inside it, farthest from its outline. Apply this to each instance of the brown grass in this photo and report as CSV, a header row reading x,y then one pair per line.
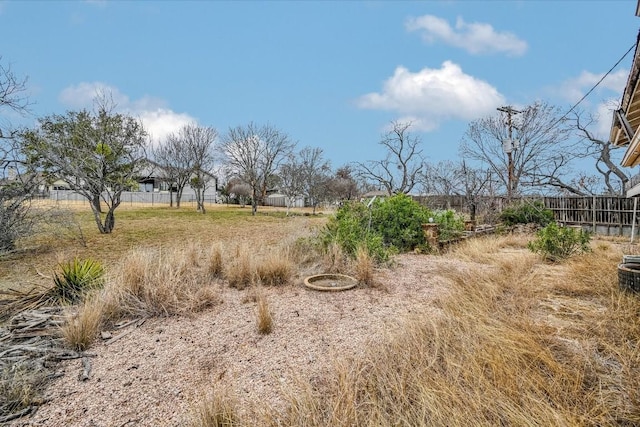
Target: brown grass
x,y
275,269
218,409
364,266
215,263
264,319
81,329
335,260
498,353
240,271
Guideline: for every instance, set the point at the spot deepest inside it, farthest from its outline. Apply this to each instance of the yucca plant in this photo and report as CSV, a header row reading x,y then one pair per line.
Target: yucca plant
x,y
75,278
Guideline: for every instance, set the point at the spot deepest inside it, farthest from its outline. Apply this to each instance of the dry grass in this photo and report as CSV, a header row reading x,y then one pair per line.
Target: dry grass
x,y
498,353
335,260
364,266
275,269
240,271
81,329
218,409
215,262
264,319
159,282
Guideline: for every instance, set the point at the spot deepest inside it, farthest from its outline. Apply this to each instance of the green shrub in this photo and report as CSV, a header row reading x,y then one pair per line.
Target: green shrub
x,y
557,243
399,220
351,227
76,278
450,224
527,213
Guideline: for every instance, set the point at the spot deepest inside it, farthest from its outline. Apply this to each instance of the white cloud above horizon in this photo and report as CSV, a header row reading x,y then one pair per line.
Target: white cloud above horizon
x,y
575,88
158,119
476,38
431,96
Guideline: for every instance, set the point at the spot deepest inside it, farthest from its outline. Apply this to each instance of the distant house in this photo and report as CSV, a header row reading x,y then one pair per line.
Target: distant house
x,y
625,129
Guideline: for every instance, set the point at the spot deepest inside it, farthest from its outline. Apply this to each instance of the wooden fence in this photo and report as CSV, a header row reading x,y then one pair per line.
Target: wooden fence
x,y
599,214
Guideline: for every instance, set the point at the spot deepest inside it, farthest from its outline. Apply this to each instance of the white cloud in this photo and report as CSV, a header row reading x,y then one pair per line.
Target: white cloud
x,y
575,88
476,38
158,119
431,96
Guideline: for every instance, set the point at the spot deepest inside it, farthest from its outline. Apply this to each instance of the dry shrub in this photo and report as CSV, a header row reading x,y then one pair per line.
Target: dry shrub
x,y
275,269
215,261
157,282
204,298
264,319
218,409
335,260
22,385
364,266
81,329
240,272
489,356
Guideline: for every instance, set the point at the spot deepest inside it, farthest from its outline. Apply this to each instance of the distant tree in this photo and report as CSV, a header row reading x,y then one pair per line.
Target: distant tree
x,y
96,153
18,184
457,179
200,142
343,186
398,172
541,157
254,153
316,175
175,164
240,191
292,180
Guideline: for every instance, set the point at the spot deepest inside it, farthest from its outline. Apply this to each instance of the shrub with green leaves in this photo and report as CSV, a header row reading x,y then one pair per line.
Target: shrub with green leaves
x,y
527,213
399,220
450,224
556,243
76,278
350,228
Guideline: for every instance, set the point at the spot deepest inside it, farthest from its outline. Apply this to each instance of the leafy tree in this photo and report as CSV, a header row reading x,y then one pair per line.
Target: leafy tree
x,y
96,153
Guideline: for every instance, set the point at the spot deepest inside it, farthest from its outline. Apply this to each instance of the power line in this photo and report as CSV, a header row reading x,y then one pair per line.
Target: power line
x,y
596,85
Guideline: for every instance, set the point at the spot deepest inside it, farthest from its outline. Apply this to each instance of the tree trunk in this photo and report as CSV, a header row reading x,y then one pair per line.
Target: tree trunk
x,y
97,217
170,197
95,203
109,221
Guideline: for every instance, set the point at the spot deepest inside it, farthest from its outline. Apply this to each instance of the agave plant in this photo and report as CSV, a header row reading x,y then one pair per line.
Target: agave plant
x,y
75,278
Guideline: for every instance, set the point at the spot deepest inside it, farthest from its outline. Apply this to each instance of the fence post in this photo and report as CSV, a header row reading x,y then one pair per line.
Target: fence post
x,y
593,210
633,223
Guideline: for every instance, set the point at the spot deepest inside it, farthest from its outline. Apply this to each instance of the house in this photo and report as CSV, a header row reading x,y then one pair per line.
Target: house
x,y
625,129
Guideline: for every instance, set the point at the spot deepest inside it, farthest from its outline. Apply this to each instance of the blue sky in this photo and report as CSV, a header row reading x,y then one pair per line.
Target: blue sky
x,y
330,74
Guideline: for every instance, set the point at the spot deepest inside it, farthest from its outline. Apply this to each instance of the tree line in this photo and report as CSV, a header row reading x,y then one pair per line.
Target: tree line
x,y
101,152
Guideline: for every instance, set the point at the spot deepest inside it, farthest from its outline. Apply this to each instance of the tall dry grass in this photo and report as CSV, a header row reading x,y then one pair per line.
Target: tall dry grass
x,y
81,329
364,266
264,318
217,409
240,271
497,353
159,282
275,269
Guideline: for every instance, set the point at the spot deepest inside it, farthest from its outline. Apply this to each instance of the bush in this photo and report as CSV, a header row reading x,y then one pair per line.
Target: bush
x,y
557,243
76,278
527,213
350,228
399,220
450,224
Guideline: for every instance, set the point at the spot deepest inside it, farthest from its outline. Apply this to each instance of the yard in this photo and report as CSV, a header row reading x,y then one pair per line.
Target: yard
x,y
484,334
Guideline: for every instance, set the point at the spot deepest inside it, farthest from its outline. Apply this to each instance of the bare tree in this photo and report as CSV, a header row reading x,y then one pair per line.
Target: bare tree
x,y
540,157
200,142
589,145
18,183
343,186
254,153
292,182
398,172
97,154
174,162
316,172
240,191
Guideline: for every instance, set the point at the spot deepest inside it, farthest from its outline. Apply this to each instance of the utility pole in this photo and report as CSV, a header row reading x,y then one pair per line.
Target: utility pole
x,y
508,146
